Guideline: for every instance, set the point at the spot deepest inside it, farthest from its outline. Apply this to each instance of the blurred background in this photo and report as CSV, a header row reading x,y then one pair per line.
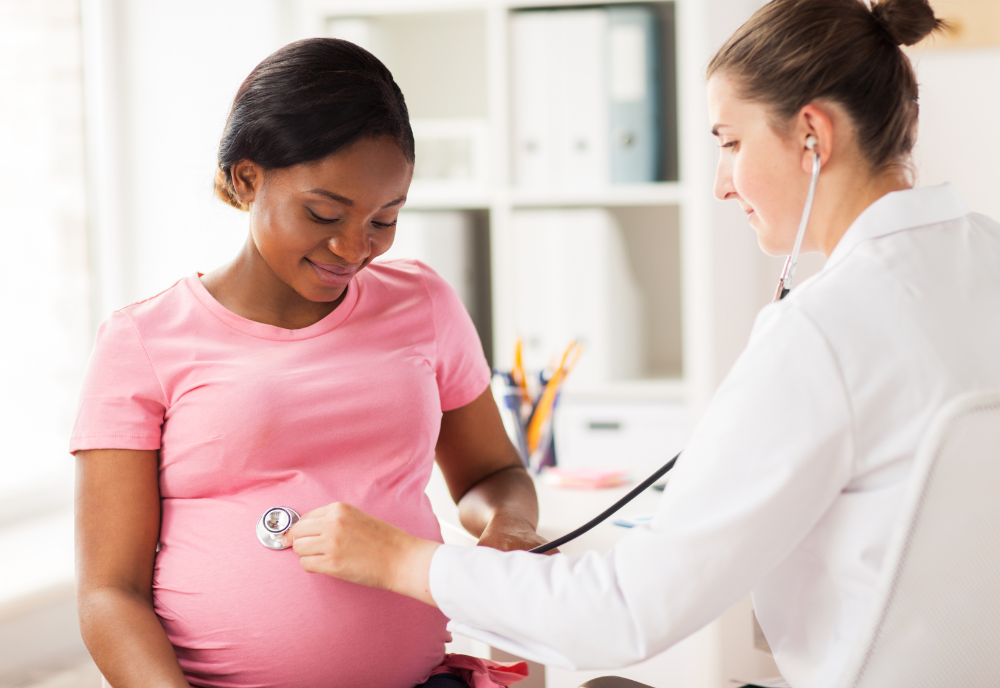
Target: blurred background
x,y
550,139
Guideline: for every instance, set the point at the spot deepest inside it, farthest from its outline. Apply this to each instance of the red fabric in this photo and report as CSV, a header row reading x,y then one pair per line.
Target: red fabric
x,y
482,673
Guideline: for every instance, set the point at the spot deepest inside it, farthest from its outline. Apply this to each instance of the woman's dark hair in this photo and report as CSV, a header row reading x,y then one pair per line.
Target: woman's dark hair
x,y
792,52
305,101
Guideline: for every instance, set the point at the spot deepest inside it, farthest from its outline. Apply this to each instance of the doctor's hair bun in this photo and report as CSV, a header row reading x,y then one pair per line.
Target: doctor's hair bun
x,y
305,101
906,21
791,53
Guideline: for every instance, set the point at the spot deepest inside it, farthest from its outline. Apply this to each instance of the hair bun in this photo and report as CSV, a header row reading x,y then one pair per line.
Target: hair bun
x,y
906,21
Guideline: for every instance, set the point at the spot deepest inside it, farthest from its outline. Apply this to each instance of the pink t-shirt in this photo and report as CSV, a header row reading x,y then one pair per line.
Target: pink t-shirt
x,y
248,416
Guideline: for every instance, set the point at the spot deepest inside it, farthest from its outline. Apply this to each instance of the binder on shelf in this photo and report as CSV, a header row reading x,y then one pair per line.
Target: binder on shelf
x,y
585,96
579,105
573,282
633,94
530,59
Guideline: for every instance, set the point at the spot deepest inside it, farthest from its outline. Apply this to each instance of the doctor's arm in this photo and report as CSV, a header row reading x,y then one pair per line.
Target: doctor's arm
x,y
117,529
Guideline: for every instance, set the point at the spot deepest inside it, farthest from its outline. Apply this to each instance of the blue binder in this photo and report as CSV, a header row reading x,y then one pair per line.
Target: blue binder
x,y
633,90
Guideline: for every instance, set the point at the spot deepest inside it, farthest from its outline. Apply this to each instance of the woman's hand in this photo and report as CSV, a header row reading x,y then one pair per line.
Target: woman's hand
x,y
506,533
344,542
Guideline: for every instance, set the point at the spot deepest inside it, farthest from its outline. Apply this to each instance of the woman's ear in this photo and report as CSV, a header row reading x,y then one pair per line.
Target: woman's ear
x,y
247,179
815,122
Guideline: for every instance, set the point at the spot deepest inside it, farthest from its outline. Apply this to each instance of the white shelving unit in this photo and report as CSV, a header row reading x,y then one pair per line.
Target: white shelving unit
x,y
695,259
419,42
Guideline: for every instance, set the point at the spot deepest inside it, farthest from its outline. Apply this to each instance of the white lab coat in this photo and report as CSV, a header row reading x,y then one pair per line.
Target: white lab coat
x,y
791,484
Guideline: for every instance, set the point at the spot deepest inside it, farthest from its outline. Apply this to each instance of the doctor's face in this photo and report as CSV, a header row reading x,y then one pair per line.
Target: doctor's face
x,y
758,168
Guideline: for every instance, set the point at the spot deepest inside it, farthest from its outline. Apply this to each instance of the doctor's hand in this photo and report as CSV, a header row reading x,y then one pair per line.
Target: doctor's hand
x,y
344,542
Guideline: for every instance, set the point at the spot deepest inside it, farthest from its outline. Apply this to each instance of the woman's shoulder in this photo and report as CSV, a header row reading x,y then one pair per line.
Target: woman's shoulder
x,y
153,311
393,283
408,275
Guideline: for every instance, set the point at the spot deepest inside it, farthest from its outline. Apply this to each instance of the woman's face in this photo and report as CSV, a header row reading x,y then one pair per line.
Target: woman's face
x,y
759,168
316,224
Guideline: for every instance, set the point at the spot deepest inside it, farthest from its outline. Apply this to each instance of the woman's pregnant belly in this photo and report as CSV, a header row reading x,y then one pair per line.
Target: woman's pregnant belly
x,y
240,615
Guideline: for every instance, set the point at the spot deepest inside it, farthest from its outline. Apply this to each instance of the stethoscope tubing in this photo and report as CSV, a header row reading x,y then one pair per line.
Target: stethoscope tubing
x,y
604,515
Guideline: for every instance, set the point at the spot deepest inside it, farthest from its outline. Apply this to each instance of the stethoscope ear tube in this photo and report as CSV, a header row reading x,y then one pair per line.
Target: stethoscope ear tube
x,y
785,281
604,515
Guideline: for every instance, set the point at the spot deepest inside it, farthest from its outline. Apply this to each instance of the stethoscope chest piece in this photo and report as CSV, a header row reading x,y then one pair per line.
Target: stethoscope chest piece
x,y
273,524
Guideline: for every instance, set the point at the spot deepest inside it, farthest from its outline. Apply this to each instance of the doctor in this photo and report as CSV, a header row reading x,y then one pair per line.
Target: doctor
x,y
791,483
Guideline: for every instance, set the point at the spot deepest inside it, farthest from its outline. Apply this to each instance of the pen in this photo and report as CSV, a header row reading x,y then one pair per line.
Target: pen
x,y
543,409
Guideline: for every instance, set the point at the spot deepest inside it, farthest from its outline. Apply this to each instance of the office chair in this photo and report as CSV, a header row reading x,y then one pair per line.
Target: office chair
x,y
936,620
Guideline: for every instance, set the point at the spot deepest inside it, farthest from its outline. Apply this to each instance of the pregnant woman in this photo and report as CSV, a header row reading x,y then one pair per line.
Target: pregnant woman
x,y
297,375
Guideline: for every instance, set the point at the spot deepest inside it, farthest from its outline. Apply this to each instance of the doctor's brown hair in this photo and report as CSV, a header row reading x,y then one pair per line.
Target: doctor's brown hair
x,y
305,101
792,52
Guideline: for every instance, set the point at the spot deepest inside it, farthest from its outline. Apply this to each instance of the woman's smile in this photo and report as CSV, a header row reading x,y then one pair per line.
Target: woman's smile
x,y
333,275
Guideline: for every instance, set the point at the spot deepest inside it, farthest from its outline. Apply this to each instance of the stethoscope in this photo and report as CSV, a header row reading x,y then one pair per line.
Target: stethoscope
x,y
277,520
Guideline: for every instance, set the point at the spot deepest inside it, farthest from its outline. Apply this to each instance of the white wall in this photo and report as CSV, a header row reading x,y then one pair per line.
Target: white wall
x,y
43,280
959,116
175,67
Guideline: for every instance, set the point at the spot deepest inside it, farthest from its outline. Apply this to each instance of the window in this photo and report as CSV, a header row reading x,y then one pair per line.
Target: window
x,y
43,243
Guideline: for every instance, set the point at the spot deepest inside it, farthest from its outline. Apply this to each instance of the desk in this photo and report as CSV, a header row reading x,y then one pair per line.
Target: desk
x,y
696,662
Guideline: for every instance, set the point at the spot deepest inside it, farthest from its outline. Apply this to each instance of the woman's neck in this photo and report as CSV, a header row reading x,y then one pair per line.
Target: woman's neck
x,y
249,288
847,194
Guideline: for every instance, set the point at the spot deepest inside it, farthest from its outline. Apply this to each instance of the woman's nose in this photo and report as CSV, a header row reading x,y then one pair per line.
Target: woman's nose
x,y
352,245
723,181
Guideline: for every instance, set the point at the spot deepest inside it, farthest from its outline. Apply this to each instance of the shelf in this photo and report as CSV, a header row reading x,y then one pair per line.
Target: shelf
x,y
446,197
432,196
651,390
662,193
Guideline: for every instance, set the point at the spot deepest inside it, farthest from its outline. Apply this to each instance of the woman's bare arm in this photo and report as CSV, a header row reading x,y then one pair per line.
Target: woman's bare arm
x,y
117,528
495,495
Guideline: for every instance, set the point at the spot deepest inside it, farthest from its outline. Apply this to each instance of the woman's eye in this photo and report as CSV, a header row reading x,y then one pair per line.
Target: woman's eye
x,y
384,225
320,219
729,144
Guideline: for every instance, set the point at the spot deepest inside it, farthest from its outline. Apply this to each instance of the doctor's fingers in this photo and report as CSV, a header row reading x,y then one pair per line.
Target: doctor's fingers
x,y
329,555
352,558
344,570
315,564
319,521
321,511
312,545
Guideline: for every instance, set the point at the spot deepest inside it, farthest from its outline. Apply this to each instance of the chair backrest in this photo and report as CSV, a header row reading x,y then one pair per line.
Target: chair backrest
x,y
937,622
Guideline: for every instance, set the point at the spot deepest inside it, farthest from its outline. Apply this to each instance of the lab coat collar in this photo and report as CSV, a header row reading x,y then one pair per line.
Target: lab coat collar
x,y
898,211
